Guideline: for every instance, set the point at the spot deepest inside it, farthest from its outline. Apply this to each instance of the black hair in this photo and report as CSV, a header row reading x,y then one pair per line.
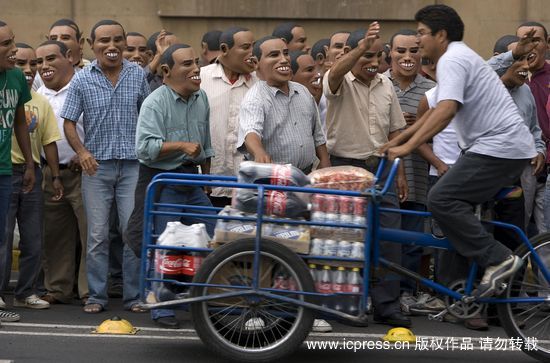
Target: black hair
x,y
294,55
62,47
23,45
354,38
167,57
257,51
228,36
319,48
406,32
70,23
151,42
501,45
102,23
2,24
135,34
442,17
212,39
534,23
284,31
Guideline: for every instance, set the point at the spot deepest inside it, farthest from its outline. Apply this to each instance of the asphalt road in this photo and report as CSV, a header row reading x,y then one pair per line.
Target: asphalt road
x,y
64,334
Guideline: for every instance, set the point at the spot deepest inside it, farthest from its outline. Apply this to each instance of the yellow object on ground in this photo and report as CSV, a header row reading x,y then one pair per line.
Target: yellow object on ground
x,y
116,325
15,260
400,335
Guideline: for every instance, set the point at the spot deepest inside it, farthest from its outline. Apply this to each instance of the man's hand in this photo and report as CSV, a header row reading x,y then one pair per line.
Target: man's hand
x,y
74,164
324,164
397,152
88,162
442,169
370,36
410,118
525,44
58,189
161,42
191,148
402,187
28,179
538,163
263,158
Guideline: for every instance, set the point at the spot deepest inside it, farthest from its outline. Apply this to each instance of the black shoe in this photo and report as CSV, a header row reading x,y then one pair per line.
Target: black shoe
x,y
168,322
395,319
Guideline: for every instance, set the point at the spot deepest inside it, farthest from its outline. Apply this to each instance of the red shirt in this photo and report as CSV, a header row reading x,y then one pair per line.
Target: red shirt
x,y
540,86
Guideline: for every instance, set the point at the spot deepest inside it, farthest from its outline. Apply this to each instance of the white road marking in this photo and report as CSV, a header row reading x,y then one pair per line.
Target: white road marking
x,y
193,337
77,335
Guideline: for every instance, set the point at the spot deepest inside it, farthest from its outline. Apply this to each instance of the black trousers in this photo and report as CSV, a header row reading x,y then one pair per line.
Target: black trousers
x,y
474,179
385,289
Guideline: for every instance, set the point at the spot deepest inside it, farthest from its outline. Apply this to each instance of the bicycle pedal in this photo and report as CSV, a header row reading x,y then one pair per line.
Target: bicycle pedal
x,y
500,289
468,299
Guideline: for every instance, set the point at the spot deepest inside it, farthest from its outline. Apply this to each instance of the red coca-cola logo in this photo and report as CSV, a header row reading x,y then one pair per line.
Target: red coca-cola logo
x,y
276,203
177,264
280,175
337,287
325,287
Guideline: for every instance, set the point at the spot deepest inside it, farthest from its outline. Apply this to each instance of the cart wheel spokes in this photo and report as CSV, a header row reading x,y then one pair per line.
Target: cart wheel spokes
x,y
252,327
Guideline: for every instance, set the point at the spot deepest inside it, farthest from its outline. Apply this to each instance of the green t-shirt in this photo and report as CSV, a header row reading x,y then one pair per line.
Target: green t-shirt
x,y
14,92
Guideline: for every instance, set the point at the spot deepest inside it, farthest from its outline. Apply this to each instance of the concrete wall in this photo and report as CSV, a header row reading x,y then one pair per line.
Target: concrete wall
x,y
486,20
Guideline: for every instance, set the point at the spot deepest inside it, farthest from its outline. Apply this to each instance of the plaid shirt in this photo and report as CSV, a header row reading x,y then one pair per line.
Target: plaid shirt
x,y
109,113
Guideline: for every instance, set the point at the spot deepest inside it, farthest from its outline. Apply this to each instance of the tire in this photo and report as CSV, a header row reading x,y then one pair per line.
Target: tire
x,y
529,320
252,328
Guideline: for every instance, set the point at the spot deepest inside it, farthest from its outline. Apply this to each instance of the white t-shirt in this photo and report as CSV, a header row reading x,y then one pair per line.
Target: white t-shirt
x,y
445,143
488,121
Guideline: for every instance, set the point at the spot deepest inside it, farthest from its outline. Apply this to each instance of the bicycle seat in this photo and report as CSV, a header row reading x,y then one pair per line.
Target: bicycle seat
x,y
511,192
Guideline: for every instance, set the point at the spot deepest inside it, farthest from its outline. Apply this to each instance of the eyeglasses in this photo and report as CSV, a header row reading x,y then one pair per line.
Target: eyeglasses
x,y
420,34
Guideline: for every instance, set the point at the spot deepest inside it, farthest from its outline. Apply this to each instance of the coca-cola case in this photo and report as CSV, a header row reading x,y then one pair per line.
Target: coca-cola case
x,y
176,265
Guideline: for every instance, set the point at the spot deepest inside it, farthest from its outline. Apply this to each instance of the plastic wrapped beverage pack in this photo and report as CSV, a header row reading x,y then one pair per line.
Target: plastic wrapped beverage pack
x,y
274,174
276,203
342,178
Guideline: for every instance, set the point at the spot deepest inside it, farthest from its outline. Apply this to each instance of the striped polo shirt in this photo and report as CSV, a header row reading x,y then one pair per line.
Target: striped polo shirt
x,y
416,168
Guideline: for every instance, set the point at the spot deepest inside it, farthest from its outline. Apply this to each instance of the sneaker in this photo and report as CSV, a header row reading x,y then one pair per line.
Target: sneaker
x,y
2,303
426,304
9,316
31,302
494,275
254,324
321,326
406,301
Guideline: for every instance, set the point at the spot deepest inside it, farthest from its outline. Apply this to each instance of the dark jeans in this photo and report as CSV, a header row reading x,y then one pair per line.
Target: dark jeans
x,y
385,290
27,209
474,179
5,195
411,255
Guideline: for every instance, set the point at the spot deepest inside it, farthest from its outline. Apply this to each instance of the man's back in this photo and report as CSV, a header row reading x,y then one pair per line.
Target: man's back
x,y
463,76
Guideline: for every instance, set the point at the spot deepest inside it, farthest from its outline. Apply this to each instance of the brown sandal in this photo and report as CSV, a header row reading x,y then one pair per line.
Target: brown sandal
x,y
136,308
93,308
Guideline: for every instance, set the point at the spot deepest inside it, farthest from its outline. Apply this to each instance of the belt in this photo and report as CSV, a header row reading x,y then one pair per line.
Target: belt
x,y
63,166
21,166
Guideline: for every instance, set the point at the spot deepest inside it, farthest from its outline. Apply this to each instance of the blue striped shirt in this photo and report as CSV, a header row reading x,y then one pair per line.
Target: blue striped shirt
x,y
109,113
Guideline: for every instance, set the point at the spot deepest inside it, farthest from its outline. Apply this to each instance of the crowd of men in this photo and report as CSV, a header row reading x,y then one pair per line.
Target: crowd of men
x,y
88,137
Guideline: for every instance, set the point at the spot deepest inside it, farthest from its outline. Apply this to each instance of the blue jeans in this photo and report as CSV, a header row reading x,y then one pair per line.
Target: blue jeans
x,y
27,209
194,196
411,255
115,180
5,195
